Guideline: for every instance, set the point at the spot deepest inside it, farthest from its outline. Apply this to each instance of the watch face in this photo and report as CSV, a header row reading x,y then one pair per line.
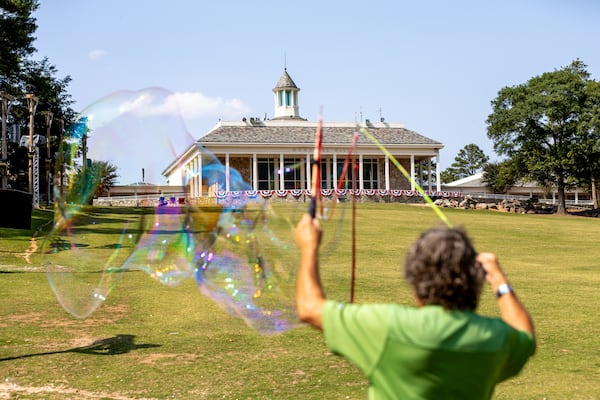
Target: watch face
x,y
503,289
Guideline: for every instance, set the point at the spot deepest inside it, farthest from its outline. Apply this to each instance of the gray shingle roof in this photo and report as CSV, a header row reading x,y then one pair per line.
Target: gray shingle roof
x,y
306,135
285,81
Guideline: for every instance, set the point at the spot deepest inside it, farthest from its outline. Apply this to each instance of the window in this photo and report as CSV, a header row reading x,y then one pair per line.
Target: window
x,y
266,173
292,173
288,97
269,173
347,179
370,180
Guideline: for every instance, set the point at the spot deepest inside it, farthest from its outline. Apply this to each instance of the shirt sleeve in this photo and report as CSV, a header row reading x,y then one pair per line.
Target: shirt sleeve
x,y
357,332
521,346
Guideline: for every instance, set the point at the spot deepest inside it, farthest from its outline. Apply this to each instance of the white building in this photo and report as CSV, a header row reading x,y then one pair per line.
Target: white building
x,y
274,155
474,185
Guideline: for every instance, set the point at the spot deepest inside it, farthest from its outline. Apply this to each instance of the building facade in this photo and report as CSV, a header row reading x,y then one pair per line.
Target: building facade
x,y
275,155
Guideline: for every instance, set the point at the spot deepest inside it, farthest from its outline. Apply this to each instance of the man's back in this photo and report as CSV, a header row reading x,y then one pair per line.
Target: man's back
x,y
427,352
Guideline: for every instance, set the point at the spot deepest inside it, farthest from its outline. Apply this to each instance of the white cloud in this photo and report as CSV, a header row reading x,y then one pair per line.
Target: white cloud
x,y
195,105
96,54
155,122
188,105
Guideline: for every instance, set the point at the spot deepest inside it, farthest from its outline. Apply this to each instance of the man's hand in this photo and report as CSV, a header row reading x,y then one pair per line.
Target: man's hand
x,y
308,234
493,273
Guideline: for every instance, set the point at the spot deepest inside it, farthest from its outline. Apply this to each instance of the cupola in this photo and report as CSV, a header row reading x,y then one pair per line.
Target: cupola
x,y
286,98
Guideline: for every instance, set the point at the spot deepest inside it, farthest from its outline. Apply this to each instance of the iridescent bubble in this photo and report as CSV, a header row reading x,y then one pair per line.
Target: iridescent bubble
x,y
247,269
240,251
87,250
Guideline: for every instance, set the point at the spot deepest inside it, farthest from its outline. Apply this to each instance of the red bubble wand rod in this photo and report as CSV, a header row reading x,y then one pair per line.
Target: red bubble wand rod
x,y
316,171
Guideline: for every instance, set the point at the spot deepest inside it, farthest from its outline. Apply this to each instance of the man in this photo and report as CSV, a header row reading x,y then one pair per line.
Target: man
x,y
440,349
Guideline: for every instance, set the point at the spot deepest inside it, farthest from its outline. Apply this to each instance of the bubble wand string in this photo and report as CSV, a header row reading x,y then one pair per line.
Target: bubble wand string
x,y
316,169
354,194
385,151
342,178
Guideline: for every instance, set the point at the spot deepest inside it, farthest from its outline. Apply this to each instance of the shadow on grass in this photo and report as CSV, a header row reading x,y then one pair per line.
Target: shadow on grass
x,y
119,344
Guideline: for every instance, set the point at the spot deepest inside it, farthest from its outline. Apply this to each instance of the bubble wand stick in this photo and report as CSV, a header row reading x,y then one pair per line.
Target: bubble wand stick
x,y
316,170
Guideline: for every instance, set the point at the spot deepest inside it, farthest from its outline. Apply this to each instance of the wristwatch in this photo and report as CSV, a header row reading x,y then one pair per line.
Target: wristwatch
x,y
503,289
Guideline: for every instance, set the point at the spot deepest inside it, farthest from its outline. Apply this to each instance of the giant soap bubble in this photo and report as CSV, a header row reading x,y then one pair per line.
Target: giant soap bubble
x,y
239,251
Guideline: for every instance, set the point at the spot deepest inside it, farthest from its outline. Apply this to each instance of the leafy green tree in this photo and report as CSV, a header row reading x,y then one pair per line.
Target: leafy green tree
x,y
424,170
17,27
587,164
499,177
40,77
20,75
544,122
469,161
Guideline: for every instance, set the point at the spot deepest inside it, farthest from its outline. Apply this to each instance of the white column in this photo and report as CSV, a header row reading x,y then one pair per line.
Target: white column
x,y
308,171
302,177
387,172
194,178
227,183
254,172
191,178
429,174
335,177
360,172
281,172
200,175
412,172
438,182
187,177
327,174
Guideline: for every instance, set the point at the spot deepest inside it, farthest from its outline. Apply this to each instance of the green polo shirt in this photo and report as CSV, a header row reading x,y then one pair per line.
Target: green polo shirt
x,y
426,353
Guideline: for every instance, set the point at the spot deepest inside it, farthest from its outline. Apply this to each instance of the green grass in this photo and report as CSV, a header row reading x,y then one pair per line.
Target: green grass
x,y
159,342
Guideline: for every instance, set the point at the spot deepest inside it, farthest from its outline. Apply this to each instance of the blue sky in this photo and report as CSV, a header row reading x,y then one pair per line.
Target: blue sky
x,y
434,66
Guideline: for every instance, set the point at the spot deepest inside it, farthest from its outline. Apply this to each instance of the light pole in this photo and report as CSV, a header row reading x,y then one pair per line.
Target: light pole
x,y
59,157
6,99
32,102
48,115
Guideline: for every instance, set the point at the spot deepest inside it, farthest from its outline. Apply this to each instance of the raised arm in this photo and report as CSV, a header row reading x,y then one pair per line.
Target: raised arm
x,y
511,309
310,297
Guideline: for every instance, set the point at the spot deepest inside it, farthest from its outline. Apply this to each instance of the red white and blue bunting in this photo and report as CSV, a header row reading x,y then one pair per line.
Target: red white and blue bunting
x,y
295,193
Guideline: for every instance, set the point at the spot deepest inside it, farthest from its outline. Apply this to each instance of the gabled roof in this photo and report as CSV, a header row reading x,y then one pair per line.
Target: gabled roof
x,y
272,132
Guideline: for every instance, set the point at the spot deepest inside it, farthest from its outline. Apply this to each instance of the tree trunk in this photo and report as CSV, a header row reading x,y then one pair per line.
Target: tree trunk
x,y
594,193
562,200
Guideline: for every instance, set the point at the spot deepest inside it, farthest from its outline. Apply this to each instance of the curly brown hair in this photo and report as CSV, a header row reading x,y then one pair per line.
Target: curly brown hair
x,y
442,268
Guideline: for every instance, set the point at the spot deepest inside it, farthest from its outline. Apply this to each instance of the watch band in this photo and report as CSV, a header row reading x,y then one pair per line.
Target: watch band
x,y
504,289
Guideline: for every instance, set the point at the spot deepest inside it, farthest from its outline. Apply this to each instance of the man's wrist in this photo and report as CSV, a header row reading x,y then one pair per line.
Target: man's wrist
x,y
503,289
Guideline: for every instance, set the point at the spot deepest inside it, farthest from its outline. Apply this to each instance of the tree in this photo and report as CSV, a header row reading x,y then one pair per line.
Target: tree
x,y
18,75
544,122
469,161
587,164
92,181
17,27
424,172
108,176
499,177
40,76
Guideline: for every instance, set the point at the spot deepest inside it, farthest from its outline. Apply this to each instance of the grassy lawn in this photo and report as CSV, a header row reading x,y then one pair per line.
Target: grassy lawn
x,y
150,341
